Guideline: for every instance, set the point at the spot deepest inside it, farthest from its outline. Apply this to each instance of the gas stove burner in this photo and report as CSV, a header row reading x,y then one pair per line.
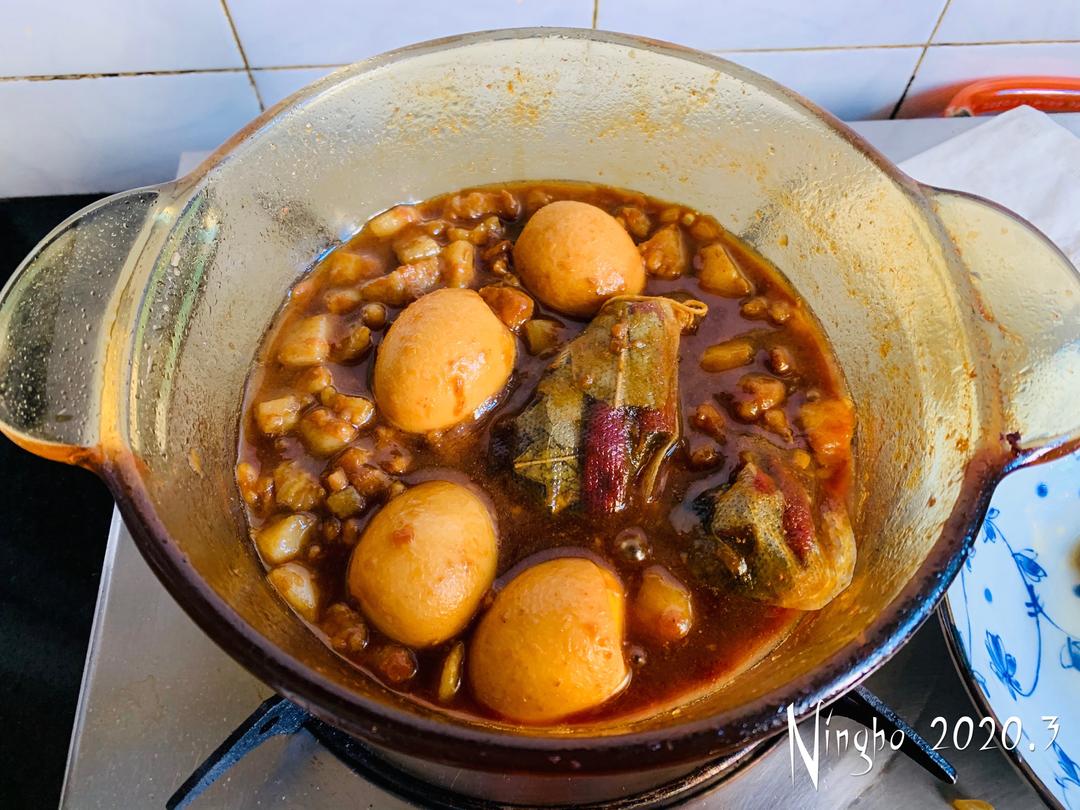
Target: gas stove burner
x,y
410,788
278,716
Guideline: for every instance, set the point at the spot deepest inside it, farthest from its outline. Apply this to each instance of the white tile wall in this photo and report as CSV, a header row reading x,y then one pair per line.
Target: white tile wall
x,y
332,32
54,37
946,69
188,70
1009,21
851,83
87,135
728,24
274,85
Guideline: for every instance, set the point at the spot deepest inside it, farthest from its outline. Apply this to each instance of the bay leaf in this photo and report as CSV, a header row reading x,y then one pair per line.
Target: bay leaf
x,y
606,408
761,538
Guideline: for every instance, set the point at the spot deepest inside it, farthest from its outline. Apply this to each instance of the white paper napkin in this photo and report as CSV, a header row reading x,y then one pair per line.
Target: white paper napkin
x,y
1020,159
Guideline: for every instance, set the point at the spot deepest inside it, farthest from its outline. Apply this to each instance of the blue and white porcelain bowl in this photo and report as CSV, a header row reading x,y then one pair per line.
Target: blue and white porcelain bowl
x,y
1013,621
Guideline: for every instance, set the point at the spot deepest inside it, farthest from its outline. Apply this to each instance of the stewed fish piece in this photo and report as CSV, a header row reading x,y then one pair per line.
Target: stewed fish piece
x,y
760,535
606,411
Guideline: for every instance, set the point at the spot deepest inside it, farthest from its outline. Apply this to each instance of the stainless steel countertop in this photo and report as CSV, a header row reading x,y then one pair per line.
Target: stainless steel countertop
x,y
158,695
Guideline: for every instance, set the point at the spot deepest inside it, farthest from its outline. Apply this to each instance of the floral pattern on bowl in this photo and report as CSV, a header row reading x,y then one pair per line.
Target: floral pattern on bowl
x,y
1013,614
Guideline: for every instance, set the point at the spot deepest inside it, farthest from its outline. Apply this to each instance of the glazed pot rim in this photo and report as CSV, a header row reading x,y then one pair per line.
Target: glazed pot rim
x,y
496,749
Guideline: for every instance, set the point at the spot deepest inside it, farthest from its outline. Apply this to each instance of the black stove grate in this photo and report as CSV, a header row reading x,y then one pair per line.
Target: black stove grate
x,y
278,716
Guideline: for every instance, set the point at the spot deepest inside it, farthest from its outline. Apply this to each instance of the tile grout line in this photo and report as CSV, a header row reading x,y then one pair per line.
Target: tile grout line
x,y
918,62
118,74
811,48
44,77
243,55
895,45
984,42
925,46
327,65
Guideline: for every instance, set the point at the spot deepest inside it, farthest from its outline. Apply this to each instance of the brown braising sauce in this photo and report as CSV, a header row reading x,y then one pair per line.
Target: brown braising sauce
x,y
293,463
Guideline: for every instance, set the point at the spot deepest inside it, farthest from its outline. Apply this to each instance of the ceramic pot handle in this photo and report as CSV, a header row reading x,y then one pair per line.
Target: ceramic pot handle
x,y
56,321
1027,305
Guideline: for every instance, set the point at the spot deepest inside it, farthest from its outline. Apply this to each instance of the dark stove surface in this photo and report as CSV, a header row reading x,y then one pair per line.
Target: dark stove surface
x,y
52,540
